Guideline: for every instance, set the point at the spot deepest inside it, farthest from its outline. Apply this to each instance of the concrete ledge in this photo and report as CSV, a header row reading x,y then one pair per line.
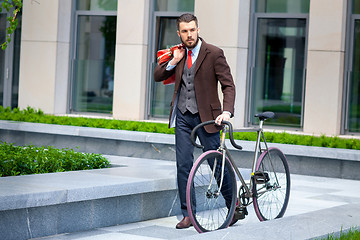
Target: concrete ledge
x,y
87,132
315,161
132,177
48,204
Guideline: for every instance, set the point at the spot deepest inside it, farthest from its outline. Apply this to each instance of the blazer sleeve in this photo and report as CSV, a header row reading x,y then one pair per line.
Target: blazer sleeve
x,y
160,72
223,74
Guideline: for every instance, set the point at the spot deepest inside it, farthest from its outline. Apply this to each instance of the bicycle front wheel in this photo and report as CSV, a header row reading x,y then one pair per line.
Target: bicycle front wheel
x,y
209,207
272,189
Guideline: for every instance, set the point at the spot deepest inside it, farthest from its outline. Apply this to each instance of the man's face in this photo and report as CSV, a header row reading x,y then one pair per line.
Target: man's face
x,y
188,33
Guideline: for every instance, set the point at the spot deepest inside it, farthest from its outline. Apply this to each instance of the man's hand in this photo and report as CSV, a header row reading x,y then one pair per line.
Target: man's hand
x,y
178,55
225,116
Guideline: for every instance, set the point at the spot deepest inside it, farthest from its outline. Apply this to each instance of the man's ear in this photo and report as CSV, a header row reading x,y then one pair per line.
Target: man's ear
x,y
178,33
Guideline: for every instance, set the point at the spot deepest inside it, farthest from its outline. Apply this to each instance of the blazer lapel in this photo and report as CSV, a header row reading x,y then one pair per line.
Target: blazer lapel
x,y
202,54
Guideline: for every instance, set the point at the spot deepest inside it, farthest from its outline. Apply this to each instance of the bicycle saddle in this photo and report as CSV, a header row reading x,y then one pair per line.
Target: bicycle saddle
x,y
265,115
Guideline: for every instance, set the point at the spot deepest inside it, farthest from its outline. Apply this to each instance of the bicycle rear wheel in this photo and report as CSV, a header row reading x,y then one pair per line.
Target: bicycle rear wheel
x,y
272,189
209,207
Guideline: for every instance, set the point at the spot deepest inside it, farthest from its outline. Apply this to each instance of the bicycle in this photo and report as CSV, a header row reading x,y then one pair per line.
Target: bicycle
x,y
212,197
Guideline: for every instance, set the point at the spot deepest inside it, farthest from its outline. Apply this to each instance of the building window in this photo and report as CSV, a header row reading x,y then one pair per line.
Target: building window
x,y
94,55
10,63
174,5
282,6
352,93
278,61
100,5
164,36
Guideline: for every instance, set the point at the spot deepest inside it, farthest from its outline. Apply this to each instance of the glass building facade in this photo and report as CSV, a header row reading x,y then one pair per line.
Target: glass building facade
x,y
278,60
9,63
274,59
165,36
352,116
93,64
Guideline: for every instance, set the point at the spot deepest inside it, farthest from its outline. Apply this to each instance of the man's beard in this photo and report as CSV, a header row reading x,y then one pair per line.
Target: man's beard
x,y
190,46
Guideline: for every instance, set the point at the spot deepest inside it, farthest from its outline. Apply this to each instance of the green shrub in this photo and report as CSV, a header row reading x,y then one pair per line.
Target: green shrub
x,y
22,160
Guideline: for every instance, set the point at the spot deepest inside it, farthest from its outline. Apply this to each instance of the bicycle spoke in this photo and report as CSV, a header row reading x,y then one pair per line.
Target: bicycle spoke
x,y
271,198
210,211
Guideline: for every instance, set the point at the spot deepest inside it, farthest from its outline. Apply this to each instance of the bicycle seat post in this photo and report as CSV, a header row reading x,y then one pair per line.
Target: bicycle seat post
x,y
257,144
261,123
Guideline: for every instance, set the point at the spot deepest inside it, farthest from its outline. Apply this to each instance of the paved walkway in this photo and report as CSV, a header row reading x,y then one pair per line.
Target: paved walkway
x,y
317,206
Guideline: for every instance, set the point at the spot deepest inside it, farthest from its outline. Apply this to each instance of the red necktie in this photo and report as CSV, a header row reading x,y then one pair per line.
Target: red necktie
x,y
189,60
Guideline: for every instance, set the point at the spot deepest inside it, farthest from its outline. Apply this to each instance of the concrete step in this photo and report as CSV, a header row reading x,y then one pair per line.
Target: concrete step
x,y
314,225
311,225
318,206
46,204
133,190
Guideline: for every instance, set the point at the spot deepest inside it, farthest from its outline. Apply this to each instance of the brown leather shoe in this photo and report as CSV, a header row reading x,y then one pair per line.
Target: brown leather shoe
x,y
184,223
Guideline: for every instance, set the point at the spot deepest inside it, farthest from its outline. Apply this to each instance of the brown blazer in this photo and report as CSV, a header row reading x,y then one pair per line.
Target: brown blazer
x,y
211,67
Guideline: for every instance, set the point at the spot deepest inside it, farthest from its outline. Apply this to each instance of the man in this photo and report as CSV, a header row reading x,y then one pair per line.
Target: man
x,y
198,68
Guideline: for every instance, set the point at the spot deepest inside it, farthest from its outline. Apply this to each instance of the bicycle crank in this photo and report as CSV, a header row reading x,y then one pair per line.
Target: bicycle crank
x,y
240,212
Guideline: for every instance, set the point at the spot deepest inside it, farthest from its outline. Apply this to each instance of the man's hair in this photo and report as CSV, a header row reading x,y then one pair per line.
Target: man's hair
x,y
186,17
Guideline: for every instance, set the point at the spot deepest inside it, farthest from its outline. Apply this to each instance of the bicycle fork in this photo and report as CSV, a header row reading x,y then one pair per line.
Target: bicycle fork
x,y
222,149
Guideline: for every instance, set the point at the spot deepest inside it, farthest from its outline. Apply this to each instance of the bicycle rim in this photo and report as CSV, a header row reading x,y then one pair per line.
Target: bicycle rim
x,y
207,207
271,197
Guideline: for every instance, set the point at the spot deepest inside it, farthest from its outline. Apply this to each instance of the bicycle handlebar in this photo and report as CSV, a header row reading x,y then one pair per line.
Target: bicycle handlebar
x,y
262,117
193,133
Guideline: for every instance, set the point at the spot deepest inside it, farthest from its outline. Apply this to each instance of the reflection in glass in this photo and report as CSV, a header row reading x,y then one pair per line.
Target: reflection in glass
x,y
2,55
282,6
93,81
174,5
16,63
277,79
354,89
162,94
356,6
96,5
9,78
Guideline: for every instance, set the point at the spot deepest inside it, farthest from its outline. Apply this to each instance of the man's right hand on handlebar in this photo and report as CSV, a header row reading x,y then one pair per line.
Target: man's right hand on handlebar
x,y
225,116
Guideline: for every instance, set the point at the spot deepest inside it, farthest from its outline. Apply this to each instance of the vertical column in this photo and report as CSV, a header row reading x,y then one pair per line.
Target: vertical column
x,y
131,59
62,74
325,67
226,25
44,56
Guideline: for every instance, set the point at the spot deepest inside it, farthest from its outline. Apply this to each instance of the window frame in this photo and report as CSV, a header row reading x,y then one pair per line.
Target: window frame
x,y
73,53
255,16
348,68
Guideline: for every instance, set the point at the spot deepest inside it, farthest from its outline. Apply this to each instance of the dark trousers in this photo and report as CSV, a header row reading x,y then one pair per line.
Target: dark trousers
x,y
185,150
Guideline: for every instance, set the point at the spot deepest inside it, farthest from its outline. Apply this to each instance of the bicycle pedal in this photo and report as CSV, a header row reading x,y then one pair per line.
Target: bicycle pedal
x,y
261,177
240,213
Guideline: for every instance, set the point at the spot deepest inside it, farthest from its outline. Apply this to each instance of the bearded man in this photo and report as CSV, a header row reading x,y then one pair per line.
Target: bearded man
x,y
198,67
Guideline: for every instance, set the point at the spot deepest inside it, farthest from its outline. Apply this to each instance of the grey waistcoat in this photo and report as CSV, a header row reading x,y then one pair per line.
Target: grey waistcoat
x,y
187,98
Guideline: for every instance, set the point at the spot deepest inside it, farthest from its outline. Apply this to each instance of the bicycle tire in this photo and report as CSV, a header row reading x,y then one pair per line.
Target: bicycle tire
x,y
271,198
209,210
